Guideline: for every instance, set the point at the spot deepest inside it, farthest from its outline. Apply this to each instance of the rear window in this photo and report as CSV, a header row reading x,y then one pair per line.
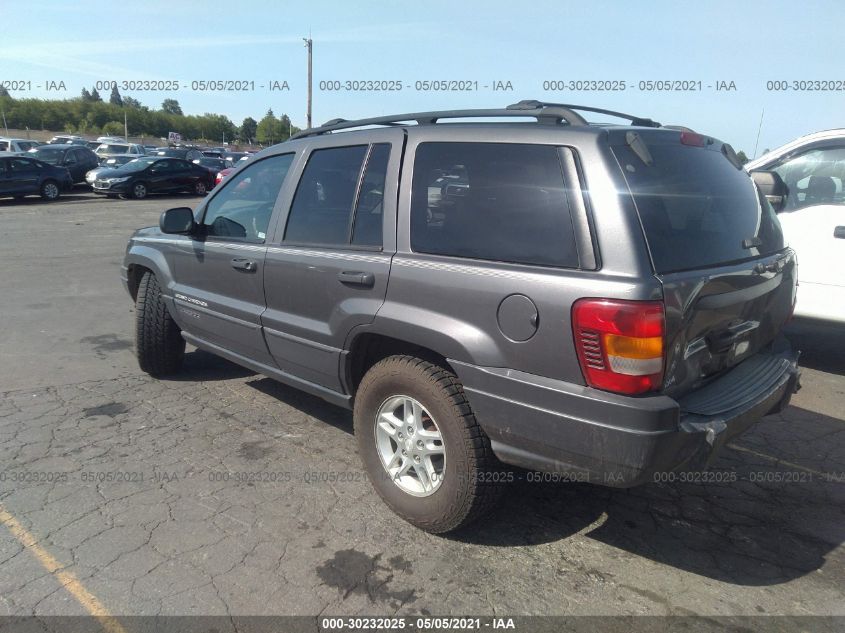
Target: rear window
x,y
697,209
493,201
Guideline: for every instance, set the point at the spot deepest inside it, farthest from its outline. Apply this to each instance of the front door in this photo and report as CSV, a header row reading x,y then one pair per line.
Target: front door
x,y
326,271
814,210
219,294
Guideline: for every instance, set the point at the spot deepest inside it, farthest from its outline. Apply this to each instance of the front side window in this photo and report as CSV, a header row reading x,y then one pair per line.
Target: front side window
x,y
241,210
493,201
19,164
814,177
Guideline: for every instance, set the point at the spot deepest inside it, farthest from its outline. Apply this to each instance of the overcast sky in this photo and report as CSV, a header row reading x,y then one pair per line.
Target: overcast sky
x,y
526,44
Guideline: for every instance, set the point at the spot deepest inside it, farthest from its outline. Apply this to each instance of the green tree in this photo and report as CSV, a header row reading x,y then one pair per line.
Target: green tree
x,y
742,157
129,102
248,129
113,128
86,96
268,130
95,96
4,92
115,98
171,106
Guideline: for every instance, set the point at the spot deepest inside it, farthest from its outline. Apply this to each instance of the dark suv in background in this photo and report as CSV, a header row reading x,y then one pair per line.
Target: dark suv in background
x,y
78,159
603,302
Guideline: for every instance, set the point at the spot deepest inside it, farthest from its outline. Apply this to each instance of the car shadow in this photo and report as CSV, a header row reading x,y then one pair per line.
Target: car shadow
x,y
763,514
822,344
756,518
202,366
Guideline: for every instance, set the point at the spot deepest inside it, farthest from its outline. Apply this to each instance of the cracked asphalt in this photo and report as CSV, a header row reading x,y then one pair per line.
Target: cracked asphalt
x,y
225,493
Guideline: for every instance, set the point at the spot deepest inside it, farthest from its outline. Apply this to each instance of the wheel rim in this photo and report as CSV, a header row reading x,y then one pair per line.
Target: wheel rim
x,y
140,191
200,188
410,446
51,190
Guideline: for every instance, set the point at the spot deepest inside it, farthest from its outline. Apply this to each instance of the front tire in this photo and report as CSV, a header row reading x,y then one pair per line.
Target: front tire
x,y
158,340
422,447
50,190
200,188
139,190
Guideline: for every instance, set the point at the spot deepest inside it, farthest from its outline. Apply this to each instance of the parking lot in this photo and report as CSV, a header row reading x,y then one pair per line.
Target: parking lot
x,y
225,493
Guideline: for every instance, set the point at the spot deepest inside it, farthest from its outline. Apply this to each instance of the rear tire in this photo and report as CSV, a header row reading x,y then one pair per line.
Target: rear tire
x,y
50,190
158,339
469,482
200,188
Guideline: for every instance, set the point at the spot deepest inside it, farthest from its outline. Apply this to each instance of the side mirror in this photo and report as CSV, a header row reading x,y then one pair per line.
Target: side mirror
x,y
179,221
772,186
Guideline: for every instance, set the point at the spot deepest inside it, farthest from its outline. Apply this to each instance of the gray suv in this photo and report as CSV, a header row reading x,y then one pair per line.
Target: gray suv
x,y
598,301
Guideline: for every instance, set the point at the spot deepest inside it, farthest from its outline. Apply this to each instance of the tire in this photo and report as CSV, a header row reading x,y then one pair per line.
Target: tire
x,y
158,340
469,485
50,190
200,188
139,190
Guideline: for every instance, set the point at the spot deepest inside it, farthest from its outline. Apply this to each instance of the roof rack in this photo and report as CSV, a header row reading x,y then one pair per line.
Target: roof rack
x,y
550,113
531,104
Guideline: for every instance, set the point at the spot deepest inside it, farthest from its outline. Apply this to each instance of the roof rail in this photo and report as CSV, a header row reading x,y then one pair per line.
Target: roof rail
x,y
531,104
544,113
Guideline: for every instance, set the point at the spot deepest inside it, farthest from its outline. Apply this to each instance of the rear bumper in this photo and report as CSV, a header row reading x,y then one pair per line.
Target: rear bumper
x,y
554,426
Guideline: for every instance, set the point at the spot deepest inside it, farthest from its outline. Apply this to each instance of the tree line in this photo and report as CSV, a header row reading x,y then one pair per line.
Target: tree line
x,y
91,114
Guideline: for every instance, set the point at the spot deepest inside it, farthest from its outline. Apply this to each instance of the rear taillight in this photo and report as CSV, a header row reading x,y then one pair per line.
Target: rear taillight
x,y
620,344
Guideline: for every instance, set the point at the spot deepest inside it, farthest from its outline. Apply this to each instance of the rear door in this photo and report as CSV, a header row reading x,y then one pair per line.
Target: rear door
x,y
219,293
328,267
717,248
813,221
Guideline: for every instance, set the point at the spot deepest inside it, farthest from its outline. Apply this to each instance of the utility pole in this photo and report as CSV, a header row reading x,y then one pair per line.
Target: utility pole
x,y
125,127
308,45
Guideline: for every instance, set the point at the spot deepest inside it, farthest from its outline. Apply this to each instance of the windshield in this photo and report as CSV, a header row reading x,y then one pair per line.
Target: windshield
x,y
138,164
697,209
50,156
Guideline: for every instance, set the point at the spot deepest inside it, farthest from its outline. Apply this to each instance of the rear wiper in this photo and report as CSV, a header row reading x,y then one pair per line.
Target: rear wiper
x,y
753,242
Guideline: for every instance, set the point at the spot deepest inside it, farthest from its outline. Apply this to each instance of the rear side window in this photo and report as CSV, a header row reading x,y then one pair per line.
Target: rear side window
x,y
335,183
697,209
492,201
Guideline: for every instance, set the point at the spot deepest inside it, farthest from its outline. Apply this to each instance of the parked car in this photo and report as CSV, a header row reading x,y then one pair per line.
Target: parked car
x,y
214,165
153,174
602,302
22,176
811,208
78,159
110,162
115,149
212,153
16,145
185,153
93,145
235,156
67,139
222,174
111,139
151,149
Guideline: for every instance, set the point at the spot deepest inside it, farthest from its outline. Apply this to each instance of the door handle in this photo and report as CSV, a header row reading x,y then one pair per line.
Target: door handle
x,y
357,278
839,232
245,264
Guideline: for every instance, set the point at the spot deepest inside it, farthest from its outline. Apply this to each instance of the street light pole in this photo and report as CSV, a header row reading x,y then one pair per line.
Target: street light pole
x,y
308,45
